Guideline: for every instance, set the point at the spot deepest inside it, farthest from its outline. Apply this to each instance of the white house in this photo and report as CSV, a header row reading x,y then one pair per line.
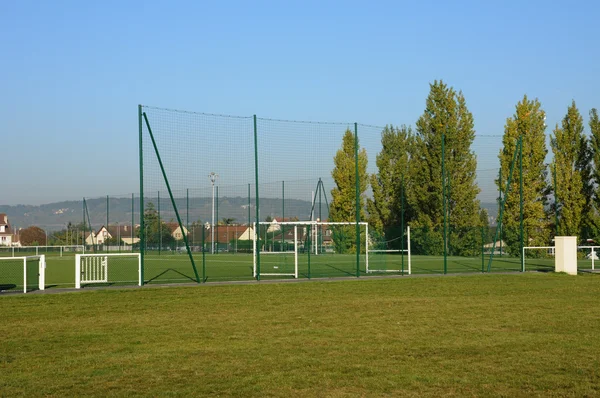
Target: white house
x,y
176,230
6,234
121,232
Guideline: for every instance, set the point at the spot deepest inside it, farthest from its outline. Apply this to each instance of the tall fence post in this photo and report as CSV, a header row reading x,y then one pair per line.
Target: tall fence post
x,y
444,233
282,216
556,204
84,229
482,248
504,198
257,197
499,204
159,226
142,226
132,221
401,225
357,194
249,206
521,200
217,225
107,221
187,210
203,255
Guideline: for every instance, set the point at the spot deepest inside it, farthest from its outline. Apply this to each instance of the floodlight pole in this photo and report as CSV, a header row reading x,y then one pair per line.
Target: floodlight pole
x,y
213,177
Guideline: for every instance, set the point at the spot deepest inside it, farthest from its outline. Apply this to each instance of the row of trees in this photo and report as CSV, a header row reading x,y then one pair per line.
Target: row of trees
x,y
419,186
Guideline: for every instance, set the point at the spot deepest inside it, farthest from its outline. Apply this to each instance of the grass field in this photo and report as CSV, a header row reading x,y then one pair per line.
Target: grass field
x,y
500,335
176,268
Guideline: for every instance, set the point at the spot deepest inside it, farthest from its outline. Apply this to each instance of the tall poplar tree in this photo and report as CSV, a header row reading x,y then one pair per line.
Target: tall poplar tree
x,y
592,221
343,195
528,122
389,184
569,147
446,115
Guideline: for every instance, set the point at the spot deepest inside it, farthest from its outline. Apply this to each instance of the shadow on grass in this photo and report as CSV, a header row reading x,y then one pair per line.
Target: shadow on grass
x,y
156,278
7,286
325,273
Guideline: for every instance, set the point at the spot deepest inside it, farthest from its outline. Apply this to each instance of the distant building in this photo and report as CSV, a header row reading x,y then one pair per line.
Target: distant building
x,y
176,230
122,233
7,238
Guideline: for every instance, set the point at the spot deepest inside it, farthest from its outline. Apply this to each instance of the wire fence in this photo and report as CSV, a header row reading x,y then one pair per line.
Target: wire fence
x,y
206,180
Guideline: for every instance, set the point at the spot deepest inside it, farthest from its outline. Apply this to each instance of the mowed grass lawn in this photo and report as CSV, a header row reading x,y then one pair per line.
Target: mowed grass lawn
x,y
506,335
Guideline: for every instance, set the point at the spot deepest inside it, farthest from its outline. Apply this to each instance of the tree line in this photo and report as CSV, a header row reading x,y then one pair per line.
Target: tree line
x,y
415,185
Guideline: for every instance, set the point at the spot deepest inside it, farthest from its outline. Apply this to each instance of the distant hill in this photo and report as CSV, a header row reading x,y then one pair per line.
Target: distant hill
x,y
55,216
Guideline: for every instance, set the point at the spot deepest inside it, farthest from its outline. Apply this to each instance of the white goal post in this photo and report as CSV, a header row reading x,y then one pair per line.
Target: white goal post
x,y
95,268
312,228
34,271
295,252
392,251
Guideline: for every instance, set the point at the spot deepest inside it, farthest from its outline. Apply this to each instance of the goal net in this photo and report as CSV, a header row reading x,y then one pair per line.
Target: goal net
x,y
108,269
25,273
280,251
389,252
309,248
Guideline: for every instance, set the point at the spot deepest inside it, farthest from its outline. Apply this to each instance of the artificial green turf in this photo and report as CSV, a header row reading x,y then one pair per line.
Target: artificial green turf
x,y
498,335
177,268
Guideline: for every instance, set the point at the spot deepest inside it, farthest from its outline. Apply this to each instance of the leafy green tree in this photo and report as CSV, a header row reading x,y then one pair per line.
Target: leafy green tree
x,y
591,224
156,231
388,185
446,115
569,146
528,122
113,241
343,195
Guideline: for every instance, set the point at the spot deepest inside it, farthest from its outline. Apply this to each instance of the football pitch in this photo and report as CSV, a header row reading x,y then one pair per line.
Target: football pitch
x,y
477,335
176,268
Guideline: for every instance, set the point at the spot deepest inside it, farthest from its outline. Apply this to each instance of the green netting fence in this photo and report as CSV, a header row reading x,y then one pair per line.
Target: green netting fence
x,y
207,179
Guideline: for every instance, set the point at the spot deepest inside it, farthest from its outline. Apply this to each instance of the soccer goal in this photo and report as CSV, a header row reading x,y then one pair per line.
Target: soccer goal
x,y
26,272
382,259
279,245
279,260
110,268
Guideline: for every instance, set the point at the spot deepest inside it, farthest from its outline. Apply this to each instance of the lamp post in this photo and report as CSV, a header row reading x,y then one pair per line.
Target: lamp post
x,y
213,177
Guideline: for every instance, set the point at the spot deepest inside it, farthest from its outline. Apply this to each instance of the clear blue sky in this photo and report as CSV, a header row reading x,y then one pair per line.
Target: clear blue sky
x,y
72,73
